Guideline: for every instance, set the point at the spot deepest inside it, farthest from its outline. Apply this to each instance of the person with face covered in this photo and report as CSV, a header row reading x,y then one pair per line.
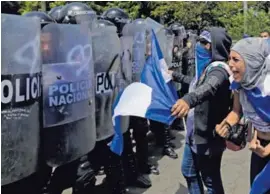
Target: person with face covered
x,y
250,65
206,104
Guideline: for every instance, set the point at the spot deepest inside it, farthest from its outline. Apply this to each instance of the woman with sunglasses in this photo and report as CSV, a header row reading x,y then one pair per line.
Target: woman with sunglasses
x,y
250,65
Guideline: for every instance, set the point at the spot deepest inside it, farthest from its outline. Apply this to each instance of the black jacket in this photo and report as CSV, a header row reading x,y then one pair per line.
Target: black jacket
x,y
212,97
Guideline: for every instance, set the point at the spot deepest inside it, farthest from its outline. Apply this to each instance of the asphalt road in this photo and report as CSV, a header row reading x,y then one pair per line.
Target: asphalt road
x,y
235,172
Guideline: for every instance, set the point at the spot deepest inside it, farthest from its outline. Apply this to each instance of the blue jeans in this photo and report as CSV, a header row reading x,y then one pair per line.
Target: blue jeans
x,y
202,169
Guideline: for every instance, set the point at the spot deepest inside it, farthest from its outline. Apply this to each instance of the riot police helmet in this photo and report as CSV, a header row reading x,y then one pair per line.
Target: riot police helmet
x,y
175,26
103,23
55,13
42,16
75,13
168,32
117,16
138,21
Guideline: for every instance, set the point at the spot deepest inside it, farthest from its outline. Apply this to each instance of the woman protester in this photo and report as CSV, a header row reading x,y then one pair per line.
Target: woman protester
x,y
250,66
209,89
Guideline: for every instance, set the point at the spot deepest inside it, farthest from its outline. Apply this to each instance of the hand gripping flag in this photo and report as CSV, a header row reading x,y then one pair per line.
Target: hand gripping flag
x,y
152,98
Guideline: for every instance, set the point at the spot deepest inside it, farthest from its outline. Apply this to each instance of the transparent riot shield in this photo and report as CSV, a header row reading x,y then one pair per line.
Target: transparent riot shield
x,y
138,34
20,96
125,76
166,38
107,62
68,93
191,53
153,25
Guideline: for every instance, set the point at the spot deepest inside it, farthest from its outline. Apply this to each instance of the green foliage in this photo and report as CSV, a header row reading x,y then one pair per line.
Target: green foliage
x,y
56,3
27,6
256,22
196,15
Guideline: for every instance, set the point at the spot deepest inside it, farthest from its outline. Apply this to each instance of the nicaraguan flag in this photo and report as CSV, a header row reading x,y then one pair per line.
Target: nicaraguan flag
x,y
261,184
152,98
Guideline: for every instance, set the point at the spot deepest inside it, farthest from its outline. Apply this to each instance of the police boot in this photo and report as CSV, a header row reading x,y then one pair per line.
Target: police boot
x,y
168,149
115,180
85,182
143,181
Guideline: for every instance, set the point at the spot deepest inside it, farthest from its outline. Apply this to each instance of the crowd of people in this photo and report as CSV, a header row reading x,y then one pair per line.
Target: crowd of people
x,y
247,63
224,102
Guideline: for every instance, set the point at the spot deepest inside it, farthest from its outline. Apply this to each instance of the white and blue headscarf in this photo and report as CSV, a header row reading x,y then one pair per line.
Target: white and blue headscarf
x,y
256,79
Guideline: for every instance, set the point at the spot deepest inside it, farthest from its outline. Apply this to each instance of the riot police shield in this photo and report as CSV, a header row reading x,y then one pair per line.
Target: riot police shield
x,y
20,96
153,25
125,72
138,34
165,38
192,39
68,93
107,63
125,75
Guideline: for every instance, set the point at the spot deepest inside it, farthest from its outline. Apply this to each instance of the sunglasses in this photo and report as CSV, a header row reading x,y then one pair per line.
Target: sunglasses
x,y
203,41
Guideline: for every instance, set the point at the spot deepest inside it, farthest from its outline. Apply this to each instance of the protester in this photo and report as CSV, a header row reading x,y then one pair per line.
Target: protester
x,y
250,65
208,90
265,34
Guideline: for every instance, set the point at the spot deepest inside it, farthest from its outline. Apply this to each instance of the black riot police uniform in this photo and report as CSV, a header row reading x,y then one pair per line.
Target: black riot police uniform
x,y
35,183
133,170
180,62
104,157
55,13
78,174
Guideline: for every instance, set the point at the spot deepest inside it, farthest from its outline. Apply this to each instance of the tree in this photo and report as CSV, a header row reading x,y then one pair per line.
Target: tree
x,y
257,21
10,7
27,6
193,15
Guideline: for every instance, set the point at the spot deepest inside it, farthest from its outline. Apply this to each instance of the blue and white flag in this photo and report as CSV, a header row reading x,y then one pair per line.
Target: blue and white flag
x,y
258,97
261,184
152,98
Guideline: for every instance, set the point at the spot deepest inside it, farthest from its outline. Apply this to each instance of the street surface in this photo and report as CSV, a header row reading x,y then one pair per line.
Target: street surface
x,y
235,172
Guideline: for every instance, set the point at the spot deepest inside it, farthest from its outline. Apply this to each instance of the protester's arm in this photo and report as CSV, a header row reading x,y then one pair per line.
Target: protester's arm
x,y
233,117
208,89
260,150
181,78
267,150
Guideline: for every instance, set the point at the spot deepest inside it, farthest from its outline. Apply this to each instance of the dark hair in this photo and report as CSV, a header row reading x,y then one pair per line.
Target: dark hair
x,y
267,31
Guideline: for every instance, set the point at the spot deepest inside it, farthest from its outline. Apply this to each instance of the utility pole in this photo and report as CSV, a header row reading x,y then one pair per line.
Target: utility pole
x,y
245,6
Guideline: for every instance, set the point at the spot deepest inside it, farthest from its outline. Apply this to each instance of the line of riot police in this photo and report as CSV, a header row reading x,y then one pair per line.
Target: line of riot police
x,y
48,146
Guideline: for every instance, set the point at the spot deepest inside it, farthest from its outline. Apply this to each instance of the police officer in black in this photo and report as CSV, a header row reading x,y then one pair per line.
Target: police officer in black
x,y
132,172
78,174
39,180
55,13
104,157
